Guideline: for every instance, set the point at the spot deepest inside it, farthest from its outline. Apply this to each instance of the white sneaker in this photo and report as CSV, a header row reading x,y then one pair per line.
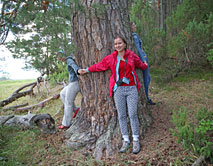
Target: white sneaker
x,y
124,147
136,147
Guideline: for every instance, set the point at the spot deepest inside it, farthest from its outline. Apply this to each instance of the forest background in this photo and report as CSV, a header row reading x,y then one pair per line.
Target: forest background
x,y
177,37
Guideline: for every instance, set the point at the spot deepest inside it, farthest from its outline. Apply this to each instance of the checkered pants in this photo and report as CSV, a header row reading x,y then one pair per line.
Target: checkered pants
x,y
127,97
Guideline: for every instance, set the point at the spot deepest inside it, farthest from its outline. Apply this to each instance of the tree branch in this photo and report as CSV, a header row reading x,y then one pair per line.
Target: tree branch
x,y
14,107
17,94
40,104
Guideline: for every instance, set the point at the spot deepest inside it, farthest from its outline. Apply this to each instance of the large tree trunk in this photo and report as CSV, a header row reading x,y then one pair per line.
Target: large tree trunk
x,y
96,126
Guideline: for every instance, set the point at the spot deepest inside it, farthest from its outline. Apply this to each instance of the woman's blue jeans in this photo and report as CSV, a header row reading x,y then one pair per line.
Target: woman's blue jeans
x,y
146,80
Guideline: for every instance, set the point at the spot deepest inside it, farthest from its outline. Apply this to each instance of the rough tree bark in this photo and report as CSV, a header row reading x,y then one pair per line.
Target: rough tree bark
x,y
96,126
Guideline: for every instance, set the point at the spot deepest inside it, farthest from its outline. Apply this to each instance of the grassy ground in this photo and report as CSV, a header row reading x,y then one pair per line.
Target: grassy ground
x,y
9,86
192,91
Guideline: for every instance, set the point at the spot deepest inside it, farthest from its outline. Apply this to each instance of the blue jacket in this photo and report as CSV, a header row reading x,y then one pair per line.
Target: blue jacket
x,y
138,43
72,69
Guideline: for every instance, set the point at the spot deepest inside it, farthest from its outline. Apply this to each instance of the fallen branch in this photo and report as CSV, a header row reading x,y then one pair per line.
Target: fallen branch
x,y
15,107
41,104
42,121
17,94
42,78
3,120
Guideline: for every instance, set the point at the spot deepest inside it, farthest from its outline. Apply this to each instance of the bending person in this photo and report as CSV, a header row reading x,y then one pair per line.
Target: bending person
x,y
143,58
125,85
69,93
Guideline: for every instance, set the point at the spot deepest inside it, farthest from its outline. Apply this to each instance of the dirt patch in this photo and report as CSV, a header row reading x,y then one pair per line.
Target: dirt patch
x,y
158,147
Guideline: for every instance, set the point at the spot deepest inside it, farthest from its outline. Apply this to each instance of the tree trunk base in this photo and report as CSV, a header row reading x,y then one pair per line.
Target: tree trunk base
x,y
79,135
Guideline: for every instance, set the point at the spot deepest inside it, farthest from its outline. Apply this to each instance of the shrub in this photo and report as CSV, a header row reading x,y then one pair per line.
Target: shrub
x,y
195,135
190,30
210,53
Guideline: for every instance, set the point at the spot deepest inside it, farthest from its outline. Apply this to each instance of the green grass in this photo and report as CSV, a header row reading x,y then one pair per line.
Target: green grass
x,y
192,75
162,79
19,147
9,86
29,147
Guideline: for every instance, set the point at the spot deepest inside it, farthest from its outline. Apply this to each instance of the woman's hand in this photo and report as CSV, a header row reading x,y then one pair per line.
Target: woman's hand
x,y
82,71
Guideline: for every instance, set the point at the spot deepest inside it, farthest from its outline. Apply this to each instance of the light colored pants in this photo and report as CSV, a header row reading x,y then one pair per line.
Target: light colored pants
x,y
126,97
68,95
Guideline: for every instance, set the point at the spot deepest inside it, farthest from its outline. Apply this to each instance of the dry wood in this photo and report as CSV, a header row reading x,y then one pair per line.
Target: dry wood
x,y
40,104
17,94
3,120
15,107
43,121
42,78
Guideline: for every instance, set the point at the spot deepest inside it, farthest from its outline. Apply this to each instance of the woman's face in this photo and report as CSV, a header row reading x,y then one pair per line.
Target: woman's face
x,y
119,45
133,26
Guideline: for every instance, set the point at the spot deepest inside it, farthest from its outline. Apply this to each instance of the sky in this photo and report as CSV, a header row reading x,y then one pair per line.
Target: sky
x,y
15,66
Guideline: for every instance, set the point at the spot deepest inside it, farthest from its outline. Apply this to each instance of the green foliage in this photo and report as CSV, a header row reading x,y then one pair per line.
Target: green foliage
x,y
40,33
210,53
194,74
185,44
190,29
145,19
198,135
60,75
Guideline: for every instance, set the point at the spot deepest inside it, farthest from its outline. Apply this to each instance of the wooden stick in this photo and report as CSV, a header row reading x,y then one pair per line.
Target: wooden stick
x,y
14,107
40,104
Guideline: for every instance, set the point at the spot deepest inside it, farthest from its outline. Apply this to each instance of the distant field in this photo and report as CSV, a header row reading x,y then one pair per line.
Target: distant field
x,y
9,86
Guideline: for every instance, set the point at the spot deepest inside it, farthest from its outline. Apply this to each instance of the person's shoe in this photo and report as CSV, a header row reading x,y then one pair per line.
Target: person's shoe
x,y
76,111
124,147
150,102
63,127
136,147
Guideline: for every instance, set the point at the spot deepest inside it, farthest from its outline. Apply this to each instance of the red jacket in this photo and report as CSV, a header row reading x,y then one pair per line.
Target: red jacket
x,y
110,61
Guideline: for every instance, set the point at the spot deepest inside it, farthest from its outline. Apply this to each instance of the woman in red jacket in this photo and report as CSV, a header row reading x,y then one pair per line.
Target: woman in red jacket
x,y
124,84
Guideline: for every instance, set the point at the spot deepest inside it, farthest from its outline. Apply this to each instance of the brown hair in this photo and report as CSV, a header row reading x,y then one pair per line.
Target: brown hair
x,y
131,23
122,38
